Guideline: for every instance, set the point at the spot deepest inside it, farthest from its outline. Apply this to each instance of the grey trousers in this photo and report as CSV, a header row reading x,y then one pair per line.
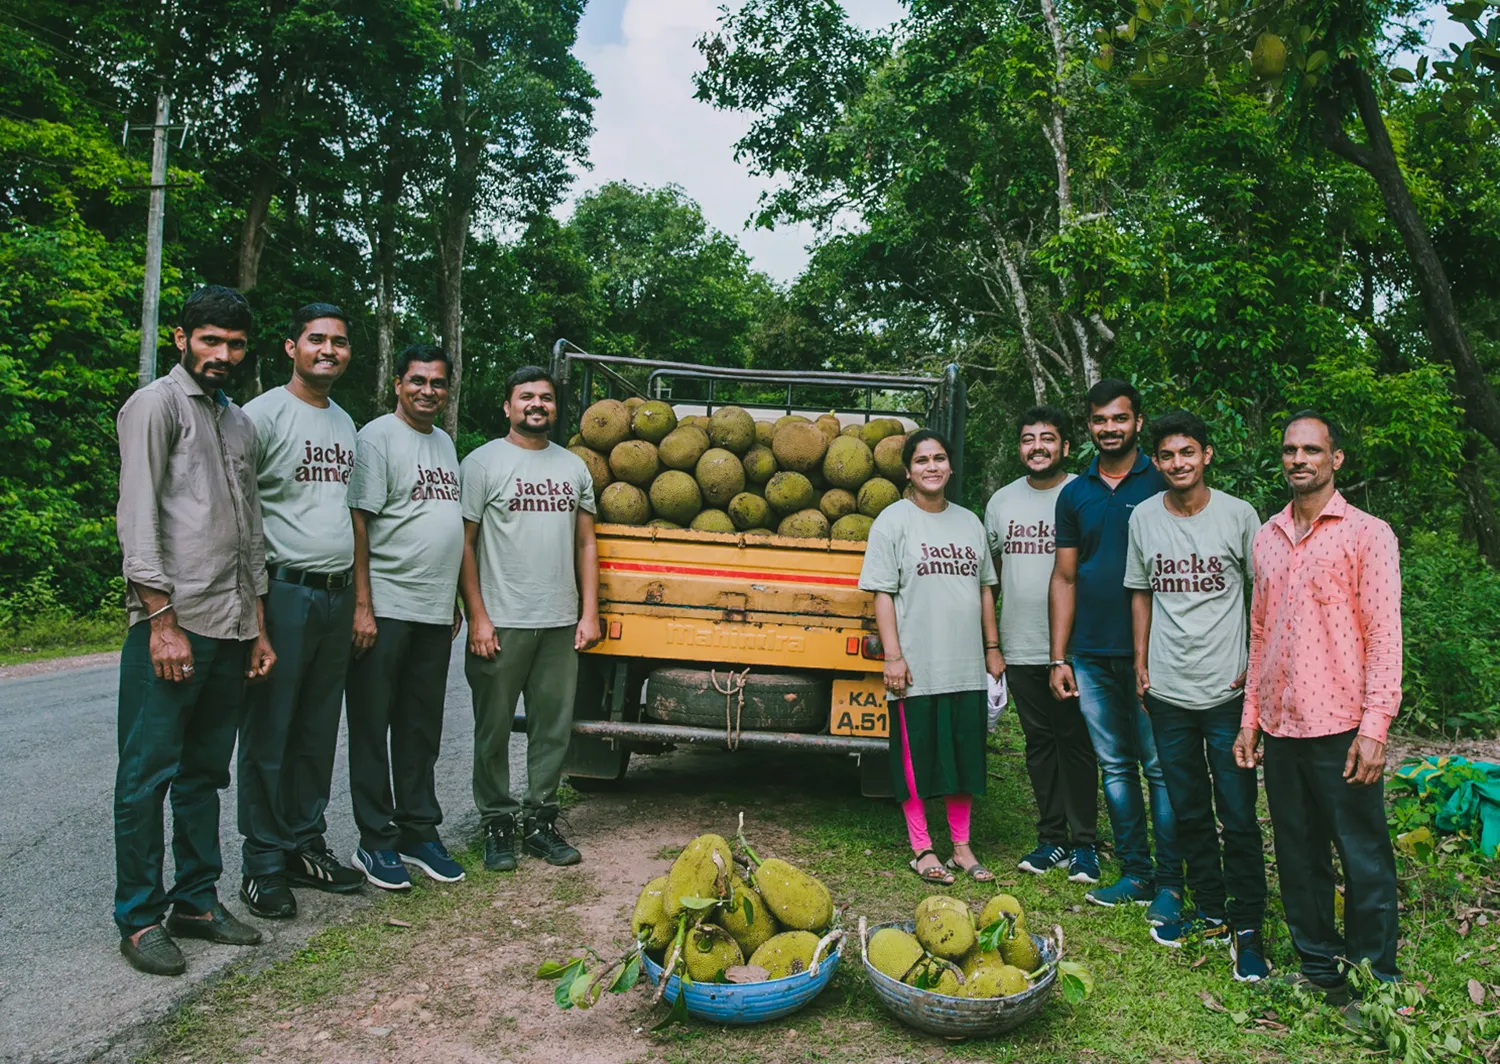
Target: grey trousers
x,y
541,664
395,711
291,726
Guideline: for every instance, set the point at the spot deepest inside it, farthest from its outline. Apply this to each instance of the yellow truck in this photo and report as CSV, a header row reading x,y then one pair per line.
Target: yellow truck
x,y
745,642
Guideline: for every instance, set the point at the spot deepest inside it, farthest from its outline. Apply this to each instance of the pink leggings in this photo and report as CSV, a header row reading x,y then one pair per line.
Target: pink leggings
x,y
959,805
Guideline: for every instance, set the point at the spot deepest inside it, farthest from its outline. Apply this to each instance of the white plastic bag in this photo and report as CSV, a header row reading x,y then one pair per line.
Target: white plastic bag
x,y
997,701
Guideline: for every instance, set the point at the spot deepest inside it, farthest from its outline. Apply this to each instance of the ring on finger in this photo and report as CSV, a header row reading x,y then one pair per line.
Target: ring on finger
x,y
187,670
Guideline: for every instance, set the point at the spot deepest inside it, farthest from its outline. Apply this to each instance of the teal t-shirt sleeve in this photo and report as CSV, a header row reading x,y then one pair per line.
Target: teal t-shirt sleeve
x,y
473,488
1135,557
881,570
368,489
1067,519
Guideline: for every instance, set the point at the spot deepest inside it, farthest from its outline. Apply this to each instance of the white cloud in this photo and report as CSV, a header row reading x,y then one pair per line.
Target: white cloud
x,y
650,130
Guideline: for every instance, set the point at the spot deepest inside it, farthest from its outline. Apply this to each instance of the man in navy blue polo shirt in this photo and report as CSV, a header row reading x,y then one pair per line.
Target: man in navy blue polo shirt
x,y
1089,608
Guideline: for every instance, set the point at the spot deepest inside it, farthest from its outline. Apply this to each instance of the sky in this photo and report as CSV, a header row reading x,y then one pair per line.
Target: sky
x,y
650,131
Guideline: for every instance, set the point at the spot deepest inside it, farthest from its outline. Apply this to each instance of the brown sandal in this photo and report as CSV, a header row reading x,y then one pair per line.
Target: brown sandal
x,y
976,871
939,875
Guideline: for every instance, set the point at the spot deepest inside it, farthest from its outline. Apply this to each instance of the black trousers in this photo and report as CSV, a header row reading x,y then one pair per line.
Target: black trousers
x,y
1059,759
395,703
1314,808
290,730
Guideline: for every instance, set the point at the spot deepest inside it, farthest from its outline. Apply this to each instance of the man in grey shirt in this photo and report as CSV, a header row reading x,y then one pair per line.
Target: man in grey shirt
x,y
304,455
190,533
1189,566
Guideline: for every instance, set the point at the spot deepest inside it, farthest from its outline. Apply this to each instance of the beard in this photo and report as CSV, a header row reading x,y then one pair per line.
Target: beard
x,y
1126,444
526,428
1050,469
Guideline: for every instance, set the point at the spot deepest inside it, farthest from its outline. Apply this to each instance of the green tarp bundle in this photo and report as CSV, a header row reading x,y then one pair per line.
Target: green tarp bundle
x,y
1468,793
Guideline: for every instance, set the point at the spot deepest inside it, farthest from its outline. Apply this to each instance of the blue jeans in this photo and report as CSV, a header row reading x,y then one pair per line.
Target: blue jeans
x,y
1197,759
1121,733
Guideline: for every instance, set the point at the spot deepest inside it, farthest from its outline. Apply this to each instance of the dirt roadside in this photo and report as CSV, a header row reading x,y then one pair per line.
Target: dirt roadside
x,y
48,666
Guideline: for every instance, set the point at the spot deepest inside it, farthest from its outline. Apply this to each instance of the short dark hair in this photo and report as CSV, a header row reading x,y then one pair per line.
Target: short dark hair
x,y
1112,388
421,353
213,304
1178,423
525,375
919,437
1335,436
1046,414
311,312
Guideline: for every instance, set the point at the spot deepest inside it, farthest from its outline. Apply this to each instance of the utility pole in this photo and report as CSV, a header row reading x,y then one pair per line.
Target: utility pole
x,y
155,217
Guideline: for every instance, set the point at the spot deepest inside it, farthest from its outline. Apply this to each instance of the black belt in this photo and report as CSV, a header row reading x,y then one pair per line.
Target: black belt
x,y
316,581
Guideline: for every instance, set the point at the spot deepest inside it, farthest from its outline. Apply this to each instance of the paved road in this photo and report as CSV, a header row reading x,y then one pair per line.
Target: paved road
x,y
65,992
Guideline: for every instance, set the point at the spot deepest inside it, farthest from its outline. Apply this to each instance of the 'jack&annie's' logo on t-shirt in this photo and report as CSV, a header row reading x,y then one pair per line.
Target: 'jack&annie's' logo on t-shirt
x,y
543,496
1036,538
324,465
951,560
435,484
1188,574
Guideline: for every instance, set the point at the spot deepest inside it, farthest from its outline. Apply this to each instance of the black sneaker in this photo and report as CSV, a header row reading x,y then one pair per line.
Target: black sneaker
x,y
542,839
221,926
154,954
500,845
1249,956
268,896
318,868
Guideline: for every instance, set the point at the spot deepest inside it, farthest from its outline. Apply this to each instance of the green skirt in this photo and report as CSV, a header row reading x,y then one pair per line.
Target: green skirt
x,y
945,734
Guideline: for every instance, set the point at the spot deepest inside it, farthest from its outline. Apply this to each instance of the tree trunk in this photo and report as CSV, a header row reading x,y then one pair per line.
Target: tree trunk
x,y
385,329
453,234
1378,158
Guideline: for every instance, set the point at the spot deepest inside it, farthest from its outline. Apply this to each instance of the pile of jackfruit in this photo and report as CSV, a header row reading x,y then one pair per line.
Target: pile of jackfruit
x,y
729,472
725,926
949,955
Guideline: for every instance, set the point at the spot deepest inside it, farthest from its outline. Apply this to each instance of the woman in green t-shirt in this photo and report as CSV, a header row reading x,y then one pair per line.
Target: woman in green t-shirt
x,y
929,565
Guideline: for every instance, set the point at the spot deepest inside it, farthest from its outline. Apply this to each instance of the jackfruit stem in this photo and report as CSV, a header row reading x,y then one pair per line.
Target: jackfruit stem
x,y
745,845
672,958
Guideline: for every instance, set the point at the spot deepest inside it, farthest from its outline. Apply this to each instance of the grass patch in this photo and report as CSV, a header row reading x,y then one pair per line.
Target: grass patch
x,y
56,633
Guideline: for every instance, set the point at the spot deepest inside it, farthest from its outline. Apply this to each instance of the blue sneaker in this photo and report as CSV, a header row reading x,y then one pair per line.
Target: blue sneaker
x,y
1043,859
433,858
383,868
1127,891
1166,908
1249,957
1205,929
1083,866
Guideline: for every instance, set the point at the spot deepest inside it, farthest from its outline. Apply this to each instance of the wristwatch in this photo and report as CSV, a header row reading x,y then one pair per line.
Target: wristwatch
x,y
1056,662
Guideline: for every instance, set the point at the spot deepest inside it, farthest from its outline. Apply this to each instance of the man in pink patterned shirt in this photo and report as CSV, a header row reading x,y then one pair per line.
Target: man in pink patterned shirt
x,y
1323,685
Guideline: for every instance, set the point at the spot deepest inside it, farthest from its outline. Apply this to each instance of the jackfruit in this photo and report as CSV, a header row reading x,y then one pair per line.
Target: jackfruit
x,y
708,951
760,464
851,526
851,430
624,504
697,421
752,929
804,524
797,900
1268,59
695,873
876,494
682,447
836,503
995,981
1002,903
713,521
942,901
675,497
720,475
830,425
764,432
892,951
789,419
633,403
653,420
786,954
848,463
598,467
749,511
605,424
938,979
1021,951
731,428
789,492
661,522
575,440
872,432
650,919
888,458
634,462
946,932
799,447
977,957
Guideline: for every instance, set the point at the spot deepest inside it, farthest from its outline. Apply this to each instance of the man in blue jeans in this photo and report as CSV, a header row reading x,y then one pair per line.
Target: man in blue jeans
x,y
1089,610
1188,566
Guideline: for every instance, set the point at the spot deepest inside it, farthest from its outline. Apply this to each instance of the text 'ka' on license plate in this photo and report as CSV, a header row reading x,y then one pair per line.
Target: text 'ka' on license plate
x,y
859,708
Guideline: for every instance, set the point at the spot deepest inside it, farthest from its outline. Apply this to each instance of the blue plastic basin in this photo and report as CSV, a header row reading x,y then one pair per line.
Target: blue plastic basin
x,y
746,1003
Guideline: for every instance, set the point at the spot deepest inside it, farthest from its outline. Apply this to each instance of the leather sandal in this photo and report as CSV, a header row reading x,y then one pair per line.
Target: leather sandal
x,y
976,871
937,874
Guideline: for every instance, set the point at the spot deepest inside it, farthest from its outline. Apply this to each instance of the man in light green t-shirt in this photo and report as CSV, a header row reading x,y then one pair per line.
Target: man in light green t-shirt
x,y
304,453
530,585
408,547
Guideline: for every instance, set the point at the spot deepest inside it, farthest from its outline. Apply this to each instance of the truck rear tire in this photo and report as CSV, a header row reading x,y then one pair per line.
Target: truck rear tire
x,y
773,701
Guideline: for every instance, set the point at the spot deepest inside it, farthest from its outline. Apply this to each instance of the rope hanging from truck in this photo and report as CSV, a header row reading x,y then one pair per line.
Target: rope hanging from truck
x,y
734,687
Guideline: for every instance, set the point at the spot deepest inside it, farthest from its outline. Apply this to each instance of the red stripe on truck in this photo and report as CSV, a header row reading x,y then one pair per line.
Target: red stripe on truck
x,y
732,574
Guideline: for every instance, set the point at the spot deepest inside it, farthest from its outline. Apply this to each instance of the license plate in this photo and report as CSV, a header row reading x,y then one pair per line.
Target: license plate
x,y
859,708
